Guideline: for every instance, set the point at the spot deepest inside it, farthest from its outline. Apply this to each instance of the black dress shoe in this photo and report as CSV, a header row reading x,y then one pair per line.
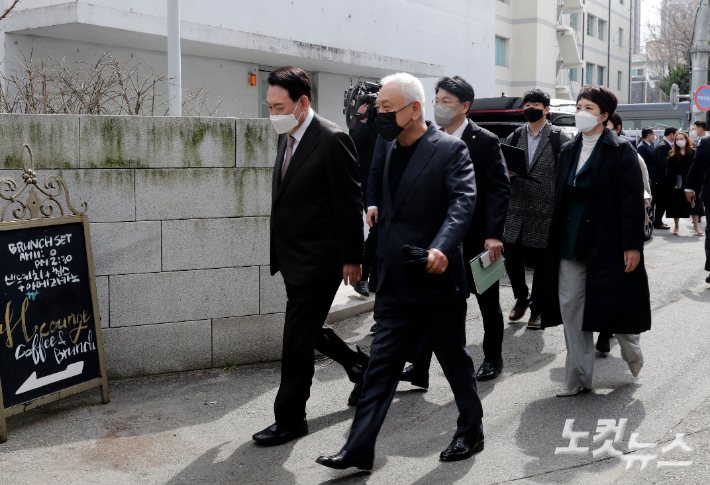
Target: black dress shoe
x,y
603,344
707,280
416,378
277,435
518,311
346,459
373,328
360,287
355,395
463,447
489,371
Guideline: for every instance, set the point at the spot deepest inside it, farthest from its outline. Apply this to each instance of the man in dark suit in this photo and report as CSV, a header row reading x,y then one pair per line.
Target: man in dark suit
x,y
316,242
647,151
659,188
428,199
454,97
698,182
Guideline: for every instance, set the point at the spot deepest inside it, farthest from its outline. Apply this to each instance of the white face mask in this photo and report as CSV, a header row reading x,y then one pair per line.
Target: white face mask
x,y
680,143
694,133
285,123
585,122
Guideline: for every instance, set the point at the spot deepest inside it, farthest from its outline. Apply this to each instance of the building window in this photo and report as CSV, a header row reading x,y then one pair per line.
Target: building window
x,y
637,72
573,74
600,75
590,73
602,29
501,45
621,37
503,1
621,2
590,24
574,21
619,75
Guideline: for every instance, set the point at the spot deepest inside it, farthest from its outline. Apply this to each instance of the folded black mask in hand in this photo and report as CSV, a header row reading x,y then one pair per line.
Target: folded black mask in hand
x,y
415,261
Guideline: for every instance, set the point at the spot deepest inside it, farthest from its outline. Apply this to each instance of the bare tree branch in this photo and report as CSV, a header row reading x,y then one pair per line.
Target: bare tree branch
x,y
109,86
9,9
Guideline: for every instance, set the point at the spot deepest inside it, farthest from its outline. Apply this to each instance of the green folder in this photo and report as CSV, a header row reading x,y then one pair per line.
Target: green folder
x,y
484,278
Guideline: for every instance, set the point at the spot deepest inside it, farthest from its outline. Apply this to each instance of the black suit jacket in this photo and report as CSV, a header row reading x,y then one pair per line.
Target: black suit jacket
x,y
662,151
649,157
493,191
433,209
699,174
316,211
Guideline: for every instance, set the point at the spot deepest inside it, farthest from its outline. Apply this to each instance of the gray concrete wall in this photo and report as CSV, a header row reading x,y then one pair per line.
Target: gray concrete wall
x,y
179,211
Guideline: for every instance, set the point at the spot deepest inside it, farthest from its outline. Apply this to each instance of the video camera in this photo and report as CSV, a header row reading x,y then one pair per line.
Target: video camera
x,y
364,92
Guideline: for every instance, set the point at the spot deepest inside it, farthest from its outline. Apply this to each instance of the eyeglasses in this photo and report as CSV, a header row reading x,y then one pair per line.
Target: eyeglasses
x,y
448,103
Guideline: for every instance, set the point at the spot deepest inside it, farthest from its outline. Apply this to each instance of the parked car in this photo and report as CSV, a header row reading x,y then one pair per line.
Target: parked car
x,y
503,115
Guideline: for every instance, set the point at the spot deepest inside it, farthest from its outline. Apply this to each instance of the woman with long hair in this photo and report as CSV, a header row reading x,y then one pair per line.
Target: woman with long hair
x,y
679,160
597,281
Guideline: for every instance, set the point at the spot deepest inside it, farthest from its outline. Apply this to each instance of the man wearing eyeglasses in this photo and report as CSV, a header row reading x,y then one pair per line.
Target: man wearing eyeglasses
x,y
452,103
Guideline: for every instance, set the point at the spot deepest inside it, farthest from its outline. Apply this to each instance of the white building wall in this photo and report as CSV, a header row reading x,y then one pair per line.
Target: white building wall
x,y
225,40
530,28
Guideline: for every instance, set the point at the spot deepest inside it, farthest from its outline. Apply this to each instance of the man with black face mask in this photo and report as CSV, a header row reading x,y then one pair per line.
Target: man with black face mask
x,y
531,202
428,198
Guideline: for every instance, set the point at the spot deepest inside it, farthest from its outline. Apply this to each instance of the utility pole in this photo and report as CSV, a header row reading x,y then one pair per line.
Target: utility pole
x,y
174,60
699,52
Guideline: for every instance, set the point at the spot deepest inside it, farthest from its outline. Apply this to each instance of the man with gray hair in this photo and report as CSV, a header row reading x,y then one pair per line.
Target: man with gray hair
x,y
428,198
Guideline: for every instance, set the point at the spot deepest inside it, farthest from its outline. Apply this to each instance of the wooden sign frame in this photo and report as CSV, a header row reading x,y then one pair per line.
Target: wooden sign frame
x,y
38,207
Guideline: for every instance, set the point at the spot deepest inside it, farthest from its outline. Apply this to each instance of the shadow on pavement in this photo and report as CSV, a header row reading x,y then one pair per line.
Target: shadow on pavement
x,y
541,425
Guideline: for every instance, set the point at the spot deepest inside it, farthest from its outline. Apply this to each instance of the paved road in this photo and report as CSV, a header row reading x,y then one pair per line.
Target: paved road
x,y
195,427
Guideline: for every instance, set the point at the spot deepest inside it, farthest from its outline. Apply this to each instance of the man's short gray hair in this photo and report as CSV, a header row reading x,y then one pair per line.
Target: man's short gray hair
x,y
409,85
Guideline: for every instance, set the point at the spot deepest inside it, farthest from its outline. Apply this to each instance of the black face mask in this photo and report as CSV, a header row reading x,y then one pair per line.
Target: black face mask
x,y
532,114
387,125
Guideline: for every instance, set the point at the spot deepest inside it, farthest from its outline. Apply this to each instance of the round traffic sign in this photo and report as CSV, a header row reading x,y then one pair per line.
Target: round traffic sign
x,y
702,98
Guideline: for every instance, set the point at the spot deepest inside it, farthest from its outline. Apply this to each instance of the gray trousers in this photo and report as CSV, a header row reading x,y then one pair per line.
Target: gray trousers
x,y
579,365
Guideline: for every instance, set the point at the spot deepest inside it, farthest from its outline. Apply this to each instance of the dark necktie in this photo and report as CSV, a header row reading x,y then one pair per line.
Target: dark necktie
x,y
287,156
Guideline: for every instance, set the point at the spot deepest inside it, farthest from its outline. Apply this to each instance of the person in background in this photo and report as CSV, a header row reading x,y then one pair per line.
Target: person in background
x,y
531,201
615,124
659,189
647,150
697,187
679,161
596,280
454,97
364,136
699,130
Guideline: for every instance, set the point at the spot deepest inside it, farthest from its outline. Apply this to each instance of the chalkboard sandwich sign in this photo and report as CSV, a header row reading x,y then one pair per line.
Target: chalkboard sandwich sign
x,y
50,331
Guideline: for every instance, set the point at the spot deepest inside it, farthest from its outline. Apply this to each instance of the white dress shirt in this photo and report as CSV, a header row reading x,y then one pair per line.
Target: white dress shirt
x,y
299,133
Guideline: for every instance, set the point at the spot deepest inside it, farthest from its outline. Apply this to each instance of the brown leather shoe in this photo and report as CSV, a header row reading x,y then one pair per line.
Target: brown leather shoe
x,y
535,321
518,311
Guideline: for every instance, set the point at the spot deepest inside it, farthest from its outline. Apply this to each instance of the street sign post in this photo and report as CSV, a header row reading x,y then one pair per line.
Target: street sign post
x,y
675,93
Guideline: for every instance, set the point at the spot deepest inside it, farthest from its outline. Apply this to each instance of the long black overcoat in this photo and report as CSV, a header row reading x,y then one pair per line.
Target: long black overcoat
x,y
616,301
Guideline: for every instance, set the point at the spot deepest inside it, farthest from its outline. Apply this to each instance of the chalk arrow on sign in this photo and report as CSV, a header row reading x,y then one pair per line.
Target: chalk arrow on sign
x,y
32,382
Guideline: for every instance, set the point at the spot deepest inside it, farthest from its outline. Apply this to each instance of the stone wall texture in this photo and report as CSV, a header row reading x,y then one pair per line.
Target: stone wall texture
x,y
179,211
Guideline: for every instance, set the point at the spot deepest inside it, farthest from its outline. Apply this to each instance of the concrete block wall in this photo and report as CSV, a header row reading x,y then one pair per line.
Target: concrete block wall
x,y
179,211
